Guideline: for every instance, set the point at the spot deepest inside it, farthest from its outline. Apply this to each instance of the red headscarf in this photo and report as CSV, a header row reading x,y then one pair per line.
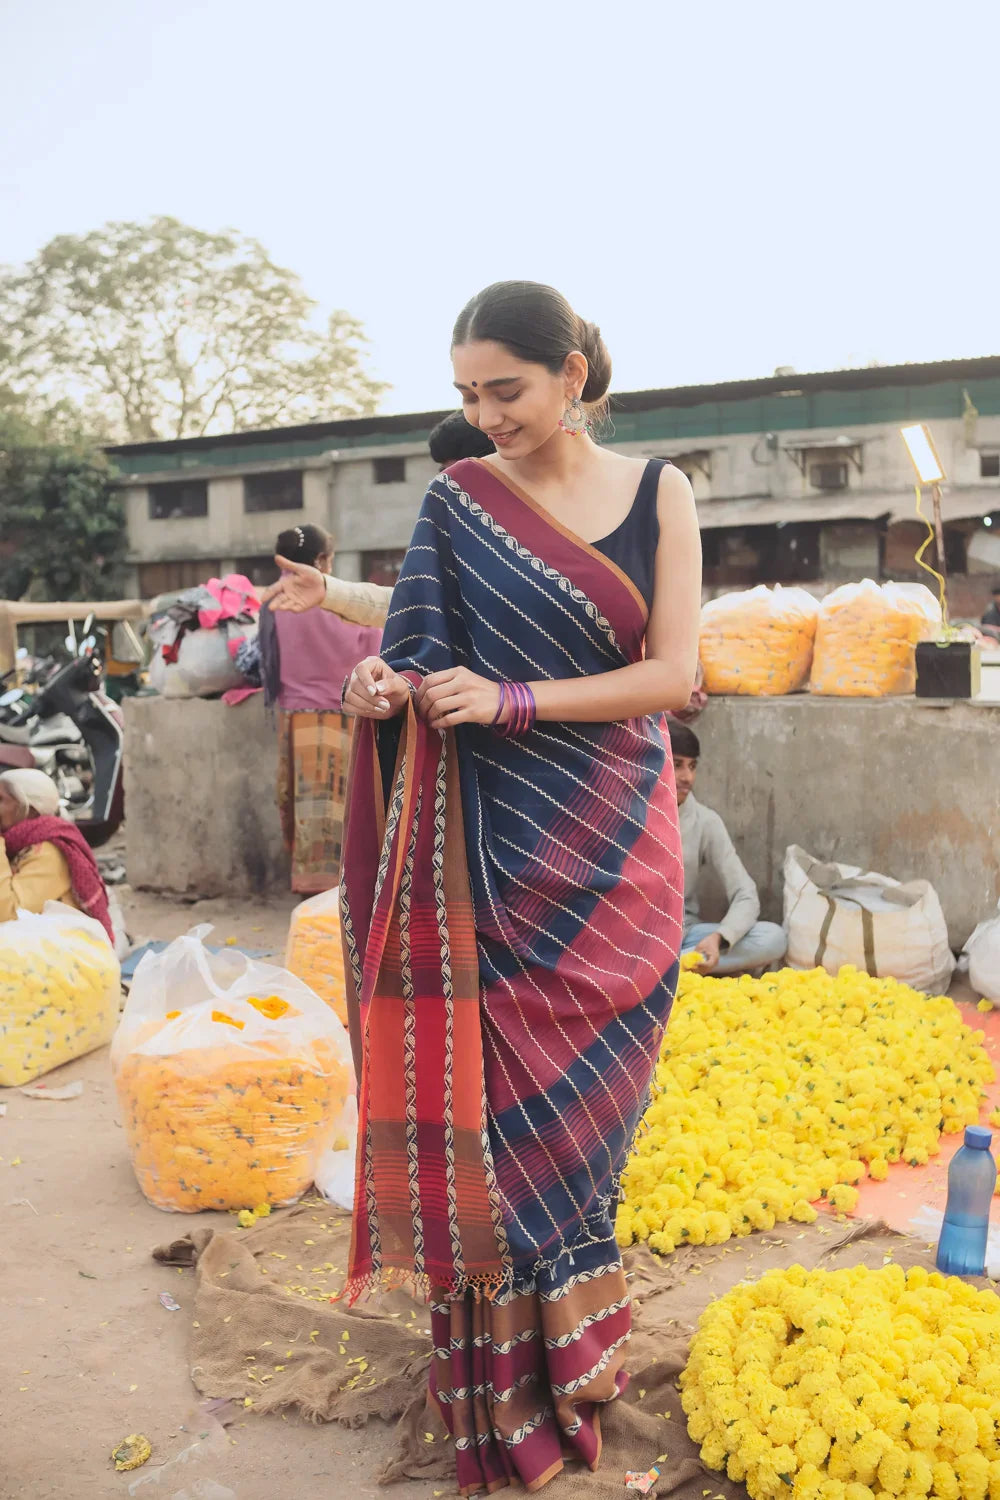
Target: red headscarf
x,y
84,876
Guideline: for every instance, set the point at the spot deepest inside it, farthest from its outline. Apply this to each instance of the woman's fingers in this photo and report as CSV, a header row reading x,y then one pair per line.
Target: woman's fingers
x,y
366,708
444,705
434,683
365,679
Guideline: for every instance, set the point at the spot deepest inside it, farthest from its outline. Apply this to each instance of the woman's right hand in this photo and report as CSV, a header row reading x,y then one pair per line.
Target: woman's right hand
x,y
375,691
299,588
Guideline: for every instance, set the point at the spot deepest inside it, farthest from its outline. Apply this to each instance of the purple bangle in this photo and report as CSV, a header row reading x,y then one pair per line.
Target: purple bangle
x,y
501,706
513,723
532,708
517,719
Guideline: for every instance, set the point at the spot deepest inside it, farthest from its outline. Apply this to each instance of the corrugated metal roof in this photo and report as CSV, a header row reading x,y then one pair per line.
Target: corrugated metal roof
x,y
895,505
790,388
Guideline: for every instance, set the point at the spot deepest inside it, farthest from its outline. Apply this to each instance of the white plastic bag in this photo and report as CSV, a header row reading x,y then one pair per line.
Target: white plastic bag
x,y
866,638
983,953
758,642
335,1173
315,953
838,914
204,664
234,1079
60,989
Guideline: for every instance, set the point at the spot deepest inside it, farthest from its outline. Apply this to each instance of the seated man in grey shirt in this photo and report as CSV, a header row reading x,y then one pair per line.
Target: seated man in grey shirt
x,y
739,943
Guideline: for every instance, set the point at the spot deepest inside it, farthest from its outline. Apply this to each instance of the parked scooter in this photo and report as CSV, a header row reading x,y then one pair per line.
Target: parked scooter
x,y
69,728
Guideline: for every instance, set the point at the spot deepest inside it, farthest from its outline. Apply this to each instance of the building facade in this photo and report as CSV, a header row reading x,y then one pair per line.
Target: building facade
x,y
798,479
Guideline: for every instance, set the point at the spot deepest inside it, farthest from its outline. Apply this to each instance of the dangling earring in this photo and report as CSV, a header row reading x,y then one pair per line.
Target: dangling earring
x,y
574,419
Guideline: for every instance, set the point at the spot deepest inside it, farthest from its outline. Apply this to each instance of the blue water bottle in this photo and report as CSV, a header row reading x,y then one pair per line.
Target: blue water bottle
x,y
971,1179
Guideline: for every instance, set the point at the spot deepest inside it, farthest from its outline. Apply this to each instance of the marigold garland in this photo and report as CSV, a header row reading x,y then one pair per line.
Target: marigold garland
x,y
773,1093
852,1384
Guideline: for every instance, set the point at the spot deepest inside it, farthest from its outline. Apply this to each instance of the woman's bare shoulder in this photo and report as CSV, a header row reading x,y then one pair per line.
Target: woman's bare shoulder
x,y
674,488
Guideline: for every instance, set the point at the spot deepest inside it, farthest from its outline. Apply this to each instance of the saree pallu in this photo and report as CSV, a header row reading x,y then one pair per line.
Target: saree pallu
x,y
511,912
313,754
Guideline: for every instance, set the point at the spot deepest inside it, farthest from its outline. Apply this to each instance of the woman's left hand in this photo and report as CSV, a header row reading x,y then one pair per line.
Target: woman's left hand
x,y
457,696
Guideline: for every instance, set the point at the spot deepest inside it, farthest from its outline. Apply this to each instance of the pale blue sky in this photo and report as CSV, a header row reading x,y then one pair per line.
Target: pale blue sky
x,y
723,187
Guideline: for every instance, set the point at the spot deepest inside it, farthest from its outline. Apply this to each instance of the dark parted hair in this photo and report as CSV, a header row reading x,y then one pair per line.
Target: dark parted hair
x,y
303,544
454,438
683,741
537,324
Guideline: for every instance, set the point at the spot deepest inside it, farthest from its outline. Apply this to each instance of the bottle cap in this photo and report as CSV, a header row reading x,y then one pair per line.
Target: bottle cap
x,y
978,1137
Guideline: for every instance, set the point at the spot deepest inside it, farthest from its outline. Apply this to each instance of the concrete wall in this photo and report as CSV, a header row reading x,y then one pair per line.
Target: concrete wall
x,y
912,791
200,783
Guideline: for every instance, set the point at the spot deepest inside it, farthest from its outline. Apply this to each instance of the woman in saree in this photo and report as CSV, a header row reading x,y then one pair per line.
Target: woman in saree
x,y
44,857
512,887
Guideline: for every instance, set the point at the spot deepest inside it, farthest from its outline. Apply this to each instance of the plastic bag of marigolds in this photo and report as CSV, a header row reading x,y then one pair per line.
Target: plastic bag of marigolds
x,y
60,989
315,953
759,642
233,1080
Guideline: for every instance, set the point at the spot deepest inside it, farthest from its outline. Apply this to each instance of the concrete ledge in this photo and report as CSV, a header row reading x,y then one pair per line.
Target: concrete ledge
x,y
200,798
881,783
904,786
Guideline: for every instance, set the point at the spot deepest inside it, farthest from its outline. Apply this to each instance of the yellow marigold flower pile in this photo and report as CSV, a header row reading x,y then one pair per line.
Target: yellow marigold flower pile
x,y
853,1384
222,1125
60,989
773,1093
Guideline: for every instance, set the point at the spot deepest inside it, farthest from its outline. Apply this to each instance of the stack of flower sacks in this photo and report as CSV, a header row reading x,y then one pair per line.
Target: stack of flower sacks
x,y
759,642
233,1080
866,639
60,990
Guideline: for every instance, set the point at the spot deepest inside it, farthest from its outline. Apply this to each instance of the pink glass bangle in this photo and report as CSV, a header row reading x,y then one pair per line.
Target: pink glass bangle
x,y
520,700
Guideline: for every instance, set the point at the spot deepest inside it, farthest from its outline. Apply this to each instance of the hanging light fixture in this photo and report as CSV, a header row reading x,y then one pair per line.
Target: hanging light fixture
x,y
923,454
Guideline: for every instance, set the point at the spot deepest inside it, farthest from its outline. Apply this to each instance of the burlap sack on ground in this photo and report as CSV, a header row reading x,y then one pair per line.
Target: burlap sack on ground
x,y
266,1331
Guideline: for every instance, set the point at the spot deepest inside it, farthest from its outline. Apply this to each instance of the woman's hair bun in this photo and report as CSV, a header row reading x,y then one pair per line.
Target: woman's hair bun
x,y
598,361
537,324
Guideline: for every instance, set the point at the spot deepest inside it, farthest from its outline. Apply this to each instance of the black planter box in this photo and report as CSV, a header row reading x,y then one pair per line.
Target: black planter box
x,y
951,671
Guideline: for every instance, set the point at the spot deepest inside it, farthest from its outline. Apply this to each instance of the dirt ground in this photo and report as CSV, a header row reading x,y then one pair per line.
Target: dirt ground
x,y
87,1353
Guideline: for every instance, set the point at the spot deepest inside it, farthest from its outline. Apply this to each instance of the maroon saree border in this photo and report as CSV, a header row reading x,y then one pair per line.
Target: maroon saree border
x,y
604,583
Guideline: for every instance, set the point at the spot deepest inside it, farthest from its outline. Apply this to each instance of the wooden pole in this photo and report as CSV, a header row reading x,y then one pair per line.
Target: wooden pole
x,y
8,638
939,533
24,613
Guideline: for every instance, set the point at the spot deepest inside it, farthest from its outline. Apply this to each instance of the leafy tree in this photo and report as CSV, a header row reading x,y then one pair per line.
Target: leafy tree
x,y
160,330
62,523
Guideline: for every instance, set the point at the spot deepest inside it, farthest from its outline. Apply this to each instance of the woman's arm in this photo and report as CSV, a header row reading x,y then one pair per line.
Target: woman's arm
x,y
302,587
361,603
662,681
42,875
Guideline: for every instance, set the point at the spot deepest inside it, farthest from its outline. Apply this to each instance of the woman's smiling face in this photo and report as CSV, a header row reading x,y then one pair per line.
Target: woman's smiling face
x,y
515,402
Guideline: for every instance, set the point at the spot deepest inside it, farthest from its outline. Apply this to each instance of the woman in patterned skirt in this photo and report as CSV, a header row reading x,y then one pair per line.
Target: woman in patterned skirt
x,y
304,663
